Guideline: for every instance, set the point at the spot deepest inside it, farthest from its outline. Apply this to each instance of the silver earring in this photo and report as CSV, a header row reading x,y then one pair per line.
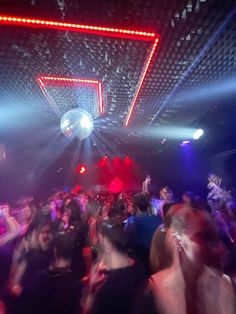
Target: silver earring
x,y
179,246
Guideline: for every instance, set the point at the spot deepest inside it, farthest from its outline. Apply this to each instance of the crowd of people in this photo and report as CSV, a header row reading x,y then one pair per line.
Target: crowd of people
x,y
81,252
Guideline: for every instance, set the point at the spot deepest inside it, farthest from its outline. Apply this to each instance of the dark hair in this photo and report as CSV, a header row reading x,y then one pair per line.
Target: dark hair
x,y
113,230
141,201
39,222
118,209
189,194
64,245
165,188
165,208
75,209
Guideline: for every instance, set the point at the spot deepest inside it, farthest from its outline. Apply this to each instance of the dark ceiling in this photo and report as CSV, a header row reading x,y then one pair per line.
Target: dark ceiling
x,y
184,85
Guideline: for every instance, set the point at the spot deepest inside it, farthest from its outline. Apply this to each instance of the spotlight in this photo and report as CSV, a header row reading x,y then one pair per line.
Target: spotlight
x,y
76,123
128,161
81,169
197,134
184,143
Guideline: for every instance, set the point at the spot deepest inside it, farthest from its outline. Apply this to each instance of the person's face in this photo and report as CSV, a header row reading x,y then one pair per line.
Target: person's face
x,y
45,238
65,218
58,214
148,180
26,212
166,195
200,242
186,199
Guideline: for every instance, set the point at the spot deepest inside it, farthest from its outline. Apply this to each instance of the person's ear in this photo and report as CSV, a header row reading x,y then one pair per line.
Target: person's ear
x,y
178,242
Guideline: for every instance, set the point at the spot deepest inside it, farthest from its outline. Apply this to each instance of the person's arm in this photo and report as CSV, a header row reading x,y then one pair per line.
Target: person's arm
x,y
96,279
145,187
14,229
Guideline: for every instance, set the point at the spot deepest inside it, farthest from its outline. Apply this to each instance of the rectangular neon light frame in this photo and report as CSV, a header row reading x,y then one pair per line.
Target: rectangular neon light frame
x,y
57,80
98,30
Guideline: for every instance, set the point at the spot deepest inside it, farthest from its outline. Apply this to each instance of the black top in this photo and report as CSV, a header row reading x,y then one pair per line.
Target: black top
x,y
51,292
36,260
117,295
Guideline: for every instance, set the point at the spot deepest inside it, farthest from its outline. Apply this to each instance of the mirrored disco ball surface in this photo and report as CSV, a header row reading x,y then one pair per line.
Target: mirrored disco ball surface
x,y
77,123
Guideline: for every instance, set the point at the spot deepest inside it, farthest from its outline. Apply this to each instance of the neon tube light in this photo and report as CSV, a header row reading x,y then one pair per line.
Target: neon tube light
x,y
48,80
110,31
98,30
134,102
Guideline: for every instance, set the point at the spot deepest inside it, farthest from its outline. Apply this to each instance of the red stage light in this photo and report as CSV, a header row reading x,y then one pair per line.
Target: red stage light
x,y
81,169
103,161
57,80
116,161
128,161
103,31
116,185
76,189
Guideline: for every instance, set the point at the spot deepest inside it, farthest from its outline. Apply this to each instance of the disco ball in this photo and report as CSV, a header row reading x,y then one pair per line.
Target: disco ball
x,y
76,123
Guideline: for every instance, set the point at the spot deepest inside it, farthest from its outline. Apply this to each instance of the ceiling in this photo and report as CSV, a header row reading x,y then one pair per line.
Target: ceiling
x,y
174,83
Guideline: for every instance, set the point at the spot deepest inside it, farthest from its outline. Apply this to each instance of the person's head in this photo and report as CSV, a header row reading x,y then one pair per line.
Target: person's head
x,y
187,197
75,209
196,235
63,246
66,217
58,213
112,237
45,236
28,212
46,209
166,194
141,203
148,179
118,209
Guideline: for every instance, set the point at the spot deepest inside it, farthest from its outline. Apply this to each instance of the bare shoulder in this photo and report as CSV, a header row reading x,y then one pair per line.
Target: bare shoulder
x,y
164,277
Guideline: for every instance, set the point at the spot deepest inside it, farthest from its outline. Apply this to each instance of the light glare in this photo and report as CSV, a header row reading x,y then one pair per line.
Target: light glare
x,y
85,122
197,134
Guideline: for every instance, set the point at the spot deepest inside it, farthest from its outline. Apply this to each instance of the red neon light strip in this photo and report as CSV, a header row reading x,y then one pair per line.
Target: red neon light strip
x,y
50,100
115,32
67,79
141,82
77,27
58,79
100,98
